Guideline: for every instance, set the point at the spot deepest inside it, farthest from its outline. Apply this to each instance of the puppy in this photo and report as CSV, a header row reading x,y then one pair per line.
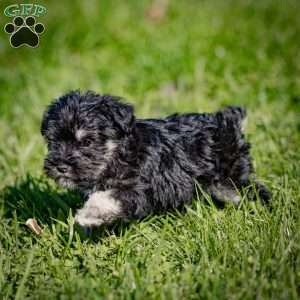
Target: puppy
x,y
129,168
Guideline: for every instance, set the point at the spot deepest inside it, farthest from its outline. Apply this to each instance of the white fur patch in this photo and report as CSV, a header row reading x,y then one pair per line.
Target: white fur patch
x,y
100,208
108,154
80,133
111,146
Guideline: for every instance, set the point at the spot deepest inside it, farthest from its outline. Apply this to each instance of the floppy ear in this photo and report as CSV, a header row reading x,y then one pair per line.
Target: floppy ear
x,y
122,114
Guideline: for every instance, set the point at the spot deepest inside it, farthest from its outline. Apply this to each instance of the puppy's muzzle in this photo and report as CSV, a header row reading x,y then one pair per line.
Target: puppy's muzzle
x,y
54,168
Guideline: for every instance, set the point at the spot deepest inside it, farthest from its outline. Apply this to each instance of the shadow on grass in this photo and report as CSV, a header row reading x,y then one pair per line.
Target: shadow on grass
x,y
35,197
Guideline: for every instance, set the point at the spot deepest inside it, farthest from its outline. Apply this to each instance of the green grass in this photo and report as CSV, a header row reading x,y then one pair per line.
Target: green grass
x,y
201,56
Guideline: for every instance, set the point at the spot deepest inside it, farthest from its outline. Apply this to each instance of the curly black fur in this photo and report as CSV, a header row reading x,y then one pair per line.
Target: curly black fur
x,y
130,168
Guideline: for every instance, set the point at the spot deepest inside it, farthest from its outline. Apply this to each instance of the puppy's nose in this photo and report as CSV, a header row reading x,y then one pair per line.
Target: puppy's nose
x,y
62,169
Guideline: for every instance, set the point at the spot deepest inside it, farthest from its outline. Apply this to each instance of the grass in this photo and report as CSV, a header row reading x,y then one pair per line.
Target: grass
x,y
200,56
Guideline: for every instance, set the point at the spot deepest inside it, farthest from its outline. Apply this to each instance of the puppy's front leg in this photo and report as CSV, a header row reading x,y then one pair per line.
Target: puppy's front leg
x,y
100,208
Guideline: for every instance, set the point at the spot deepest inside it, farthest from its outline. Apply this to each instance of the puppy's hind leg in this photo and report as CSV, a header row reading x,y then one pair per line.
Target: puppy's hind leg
x,y
224,193
258,191
229,194
100,208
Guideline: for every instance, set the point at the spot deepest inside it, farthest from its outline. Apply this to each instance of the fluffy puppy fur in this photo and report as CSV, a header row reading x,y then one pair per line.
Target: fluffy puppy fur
x,y
130,168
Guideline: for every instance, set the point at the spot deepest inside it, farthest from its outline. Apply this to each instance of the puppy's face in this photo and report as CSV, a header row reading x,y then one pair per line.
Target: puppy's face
x,y
83,133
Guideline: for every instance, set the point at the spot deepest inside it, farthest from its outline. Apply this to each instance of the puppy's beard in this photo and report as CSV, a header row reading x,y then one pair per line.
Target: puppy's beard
x,y
66,183
60,179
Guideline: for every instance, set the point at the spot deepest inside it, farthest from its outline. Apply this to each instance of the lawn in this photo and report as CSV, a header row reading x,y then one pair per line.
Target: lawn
x,y
195,56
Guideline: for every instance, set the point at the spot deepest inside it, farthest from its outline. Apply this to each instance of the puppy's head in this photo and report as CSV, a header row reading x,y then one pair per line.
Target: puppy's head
x,y
83,133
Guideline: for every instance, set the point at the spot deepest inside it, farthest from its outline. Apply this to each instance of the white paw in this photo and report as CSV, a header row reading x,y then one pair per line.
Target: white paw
x,y
100,208
84,218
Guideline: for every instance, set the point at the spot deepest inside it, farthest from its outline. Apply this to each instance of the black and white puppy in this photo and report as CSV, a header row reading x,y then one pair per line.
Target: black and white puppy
x,y
130,168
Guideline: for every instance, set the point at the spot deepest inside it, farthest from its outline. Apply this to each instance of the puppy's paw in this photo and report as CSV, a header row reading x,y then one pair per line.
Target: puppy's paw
x,y
85,218
100,208
225,193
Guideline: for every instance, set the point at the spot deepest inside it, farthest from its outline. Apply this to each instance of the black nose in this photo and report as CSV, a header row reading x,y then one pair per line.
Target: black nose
x,y
62,169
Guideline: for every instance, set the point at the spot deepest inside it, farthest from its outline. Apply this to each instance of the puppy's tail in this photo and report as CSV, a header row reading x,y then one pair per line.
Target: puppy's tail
x,y
232,149
230,128
233,115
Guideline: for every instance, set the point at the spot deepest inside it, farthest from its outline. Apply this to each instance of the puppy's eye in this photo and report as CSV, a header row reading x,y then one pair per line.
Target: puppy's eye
x,y
86,142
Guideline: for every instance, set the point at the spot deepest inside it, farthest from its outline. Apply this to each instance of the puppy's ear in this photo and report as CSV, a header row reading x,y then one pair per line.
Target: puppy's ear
x,y
124,117
122,114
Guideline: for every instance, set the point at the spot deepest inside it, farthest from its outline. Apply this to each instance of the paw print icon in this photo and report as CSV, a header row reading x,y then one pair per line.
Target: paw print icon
x,y
24,32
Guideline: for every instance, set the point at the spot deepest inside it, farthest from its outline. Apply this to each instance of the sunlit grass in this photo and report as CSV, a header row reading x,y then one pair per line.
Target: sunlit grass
x,y
201,56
